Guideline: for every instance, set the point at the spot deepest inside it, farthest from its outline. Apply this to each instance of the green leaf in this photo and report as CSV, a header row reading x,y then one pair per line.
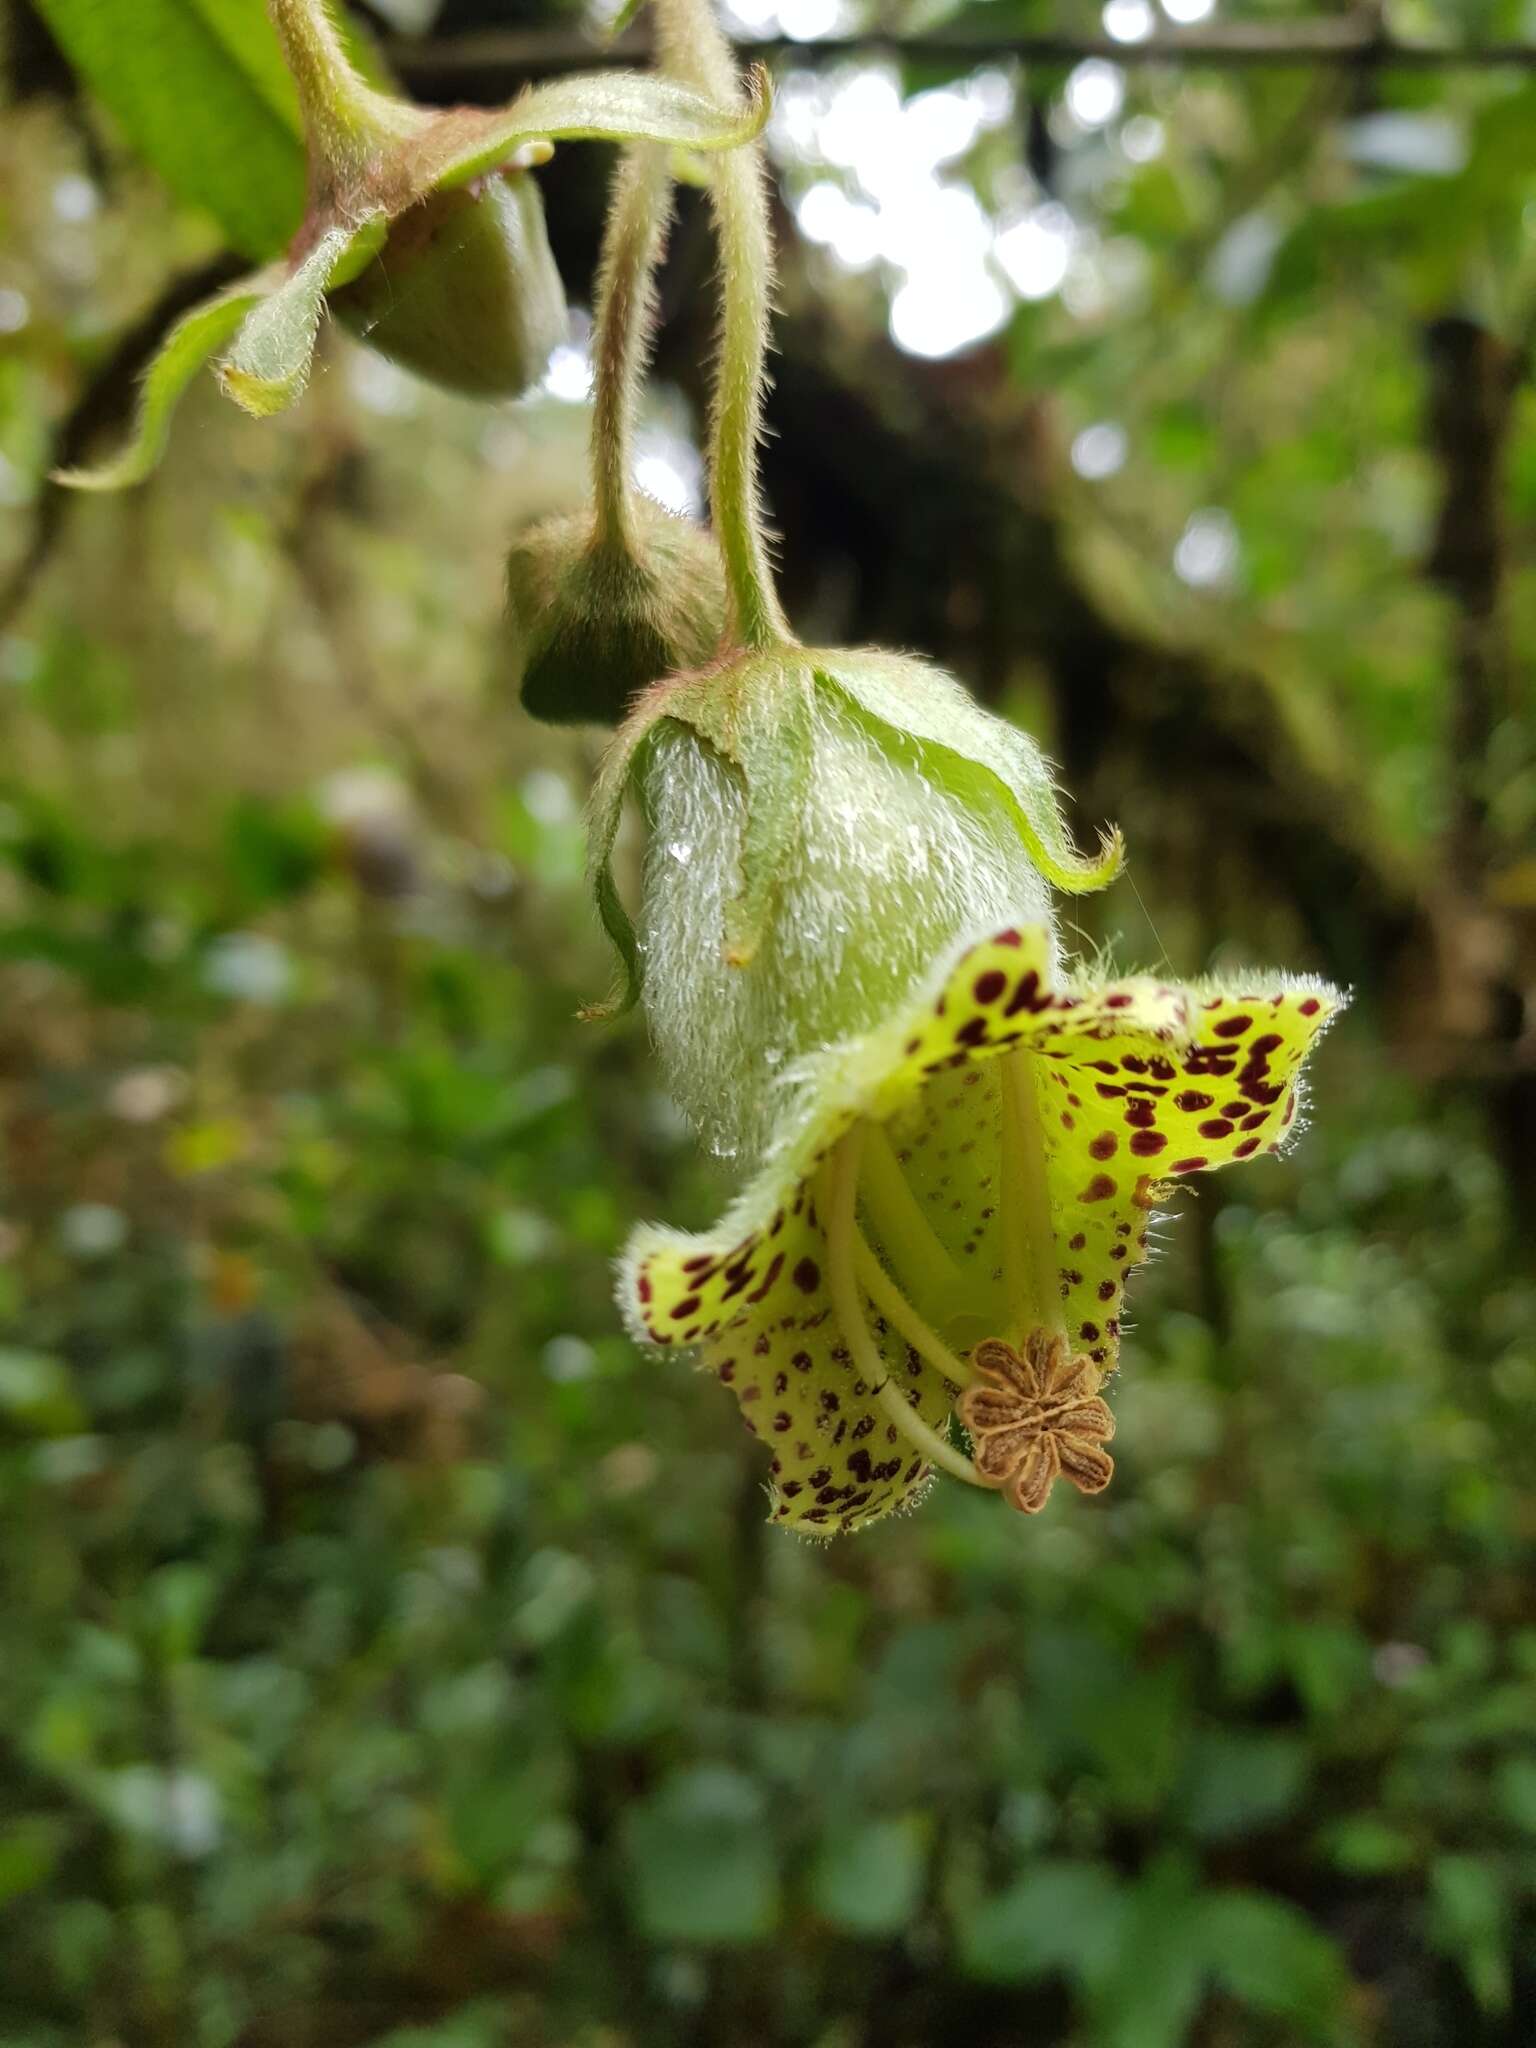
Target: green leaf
x,y
37,1395
1234,1781
269,365
701,1861
619,106
1365,1845
194,338
1516,1788
30,1848
1271,1957
1060,1917
1470,1921
1153,1988
199,88
869,1878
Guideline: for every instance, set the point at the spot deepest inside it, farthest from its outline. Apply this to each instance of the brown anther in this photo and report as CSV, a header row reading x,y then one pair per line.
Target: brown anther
x,y
1037,1418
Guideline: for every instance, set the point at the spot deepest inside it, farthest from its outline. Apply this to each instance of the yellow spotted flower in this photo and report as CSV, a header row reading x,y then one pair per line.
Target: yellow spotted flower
x,y
974,1176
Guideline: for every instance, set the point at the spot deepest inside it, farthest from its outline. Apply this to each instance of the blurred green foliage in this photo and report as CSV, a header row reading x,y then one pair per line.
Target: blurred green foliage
x,y
389,1653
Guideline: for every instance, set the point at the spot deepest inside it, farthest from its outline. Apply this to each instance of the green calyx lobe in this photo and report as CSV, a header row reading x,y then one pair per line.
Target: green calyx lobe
x,y
761,713
596,616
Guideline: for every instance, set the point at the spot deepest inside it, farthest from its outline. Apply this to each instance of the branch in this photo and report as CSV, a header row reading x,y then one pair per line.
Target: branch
x,y
478,65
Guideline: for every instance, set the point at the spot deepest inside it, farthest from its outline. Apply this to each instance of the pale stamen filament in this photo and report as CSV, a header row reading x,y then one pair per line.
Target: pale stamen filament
x,y
906,1236
1029,1236
840,1193
904,1318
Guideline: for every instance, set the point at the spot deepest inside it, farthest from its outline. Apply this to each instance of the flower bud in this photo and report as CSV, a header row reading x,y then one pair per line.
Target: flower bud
x,y
596,619
465,290
823,828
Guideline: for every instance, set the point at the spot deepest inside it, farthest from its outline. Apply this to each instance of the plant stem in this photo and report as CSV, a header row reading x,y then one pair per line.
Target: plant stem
x,y
694,49
638,215
343,115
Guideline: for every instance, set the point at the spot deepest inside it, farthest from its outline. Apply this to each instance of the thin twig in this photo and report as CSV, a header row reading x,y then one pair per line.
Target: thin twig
x,y
468,62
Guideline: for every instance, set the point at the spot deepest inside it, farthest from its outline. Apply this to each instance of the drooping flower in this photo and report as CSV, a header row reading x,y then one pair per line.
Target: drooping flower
x,y
422,227
978,1168
846,953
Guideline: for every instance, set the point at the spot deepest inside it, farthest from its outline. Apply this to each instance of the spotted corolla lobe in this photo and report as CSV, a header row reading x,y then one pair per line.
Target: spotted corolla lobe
x,y
1132,1077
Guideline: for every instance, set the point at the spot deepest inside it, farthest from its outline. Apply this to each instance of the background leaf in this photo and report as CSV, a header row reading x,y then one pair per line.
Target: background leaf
x,y
199,87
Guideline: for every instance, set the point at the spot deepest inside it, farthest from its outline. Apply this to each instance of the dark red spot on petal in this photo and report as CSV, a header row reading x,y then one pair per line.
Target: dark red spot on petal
x,y
1104,1145
686,1307
1099,1189
1216,1127
1310,1007
1232,1027
1025,995
1188,1165
989,986
1192,1099
1145,1143
769,1277
1247,1149
807,1276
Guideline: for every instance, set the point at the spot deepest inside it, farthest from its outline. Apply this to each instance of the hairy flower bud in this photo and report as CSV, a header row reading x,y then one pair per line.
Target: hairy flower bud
x,y
823,827
421,227
595,619
465,290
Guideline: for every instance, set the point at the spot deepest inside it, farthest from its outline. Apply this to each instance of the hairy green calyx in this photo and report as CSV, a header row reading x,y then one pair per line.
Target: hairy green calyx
x,y
595,619
822,825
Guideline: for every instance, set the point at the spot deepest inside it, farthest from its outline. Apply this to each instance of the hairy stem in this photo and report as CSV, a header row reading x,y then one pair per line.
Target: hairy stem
x,y
633,239
343,115
694,49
